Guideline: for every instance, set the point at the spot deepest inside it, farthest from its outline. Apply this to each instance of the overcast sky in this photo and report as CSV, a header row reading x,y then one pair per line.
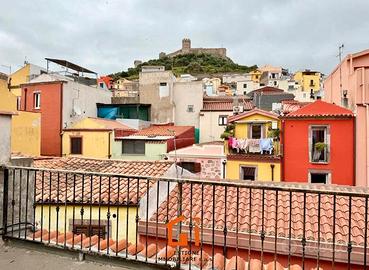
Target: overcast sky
x,y
107,36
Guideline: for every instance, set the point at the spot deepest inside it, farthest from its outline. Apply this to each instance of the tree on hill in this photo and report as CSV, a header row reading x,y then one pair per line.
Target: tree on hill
x,y
188,63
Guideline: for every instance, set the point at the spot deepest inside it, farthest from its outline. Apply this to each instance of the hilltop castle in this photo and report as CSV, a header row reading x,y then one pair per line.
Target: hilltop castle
x,y
186,49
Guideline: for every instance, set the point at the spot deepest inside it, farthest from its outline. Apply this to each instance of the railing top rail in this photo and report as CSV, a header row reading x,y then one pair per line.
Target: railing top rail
x,y
273,186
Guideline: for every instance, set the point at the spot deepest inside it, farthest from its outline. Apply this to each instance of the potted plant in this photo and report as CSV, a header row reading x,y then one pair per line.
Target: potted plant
x,y
274,133
228,132
319,147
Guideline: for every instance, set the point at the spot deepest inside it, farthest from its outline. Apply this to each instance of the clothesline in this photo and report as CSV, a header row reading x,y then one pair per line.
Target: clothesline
x,y
251,145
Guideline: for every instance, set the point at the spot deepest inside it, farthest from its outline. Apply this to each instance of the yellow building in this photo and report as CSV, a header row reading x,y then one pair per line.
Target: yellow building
x,y
26,126
255,75
93,137
88,206
309,80
23,75
253,150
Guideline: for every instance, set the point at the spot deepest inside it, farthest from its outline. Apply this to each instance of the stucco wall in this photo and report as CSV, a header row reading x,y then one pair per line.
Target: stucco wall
x,y
341,152
95,144
162,106
153,151
5,135
80,100
122,223
188,93
26,133
209,127
263,170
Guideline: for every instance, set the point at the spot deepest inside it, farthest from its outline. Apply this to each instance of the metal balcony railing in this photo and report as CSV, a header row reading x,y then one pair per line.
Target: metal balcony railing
x,y
186,223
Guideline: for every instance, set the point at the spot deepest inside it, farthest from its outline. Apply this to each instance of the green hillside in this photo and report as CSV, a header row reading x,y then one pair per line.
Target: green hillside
x,y
189,63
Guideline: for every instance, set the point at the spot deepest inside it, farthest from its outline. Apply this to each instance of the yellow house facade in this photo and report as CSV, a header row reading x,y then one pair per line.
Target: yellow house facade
x,y
23,75
255,75
91,137
309,80
26,126
245,160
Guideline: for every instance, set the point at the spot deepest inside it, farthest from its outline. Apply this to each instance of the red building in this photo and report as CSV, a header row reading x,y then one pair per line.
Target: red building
x,y
318,145
61,102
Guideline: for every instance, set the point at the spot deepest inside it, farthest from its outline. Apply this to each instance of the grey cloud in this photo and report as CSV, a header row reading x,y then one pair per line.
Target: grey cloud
x,y
107,36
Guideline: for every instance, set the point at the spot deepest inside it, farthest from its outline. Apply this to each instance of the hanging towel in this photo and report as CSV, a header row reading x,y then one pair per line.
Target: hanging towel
x,y
254,145
266,145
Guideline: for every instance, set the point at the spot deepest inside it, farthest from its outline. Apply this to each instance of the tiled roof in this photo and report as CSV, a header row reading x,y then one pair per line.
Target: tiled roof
x,y
253,111
266,90
321,109
108,124
155,253
254,157
289,106
252,203
163,130
226,105
68,187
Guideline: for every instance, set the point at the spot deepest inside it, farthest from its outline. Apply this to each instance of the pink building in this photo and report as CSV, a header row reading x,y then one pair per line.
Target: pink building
x,y
205,160
348,86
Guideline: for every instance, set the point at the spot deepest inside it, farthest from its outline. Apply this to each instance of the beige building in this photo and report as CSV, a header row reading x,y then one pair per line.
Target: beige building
x,y
214,115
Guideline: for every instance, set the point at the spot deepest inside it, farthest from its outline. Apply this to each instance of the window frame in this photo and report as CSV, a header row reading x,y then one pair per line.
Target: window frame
x,y
326,172
241,174
261,130
134,147
71,144
190,108
327,140
223,117
37,101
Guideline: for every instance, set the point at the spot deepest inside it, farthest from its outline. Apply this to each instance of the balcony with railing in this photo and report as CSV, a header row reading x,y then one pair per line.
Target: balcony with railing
x,y
187,223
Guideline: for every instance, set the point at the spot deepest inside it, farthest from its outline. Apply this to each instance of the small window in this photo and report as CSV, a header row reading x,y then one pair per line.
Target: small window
x,y
37,100
256,131
248,173
311,82
76,145
319,178
19,103
133,147
245,85
190,108
102,85
90,230
163,84
193,167
319,144
275,83
222,120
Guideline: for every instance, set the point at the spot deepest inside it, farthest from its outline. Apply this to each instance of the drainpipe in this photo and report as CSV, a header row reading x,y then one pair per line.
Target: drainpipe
x,y
224,162
272,167
61,119
367,126
354,132
282,148
109,138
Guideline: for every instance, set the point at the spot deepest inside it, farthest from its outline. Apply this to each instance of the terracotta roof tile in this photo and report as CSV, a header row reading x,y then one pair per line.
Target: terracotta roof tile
x,y
163,130
225,105
320,109
168,254
71,188
340,218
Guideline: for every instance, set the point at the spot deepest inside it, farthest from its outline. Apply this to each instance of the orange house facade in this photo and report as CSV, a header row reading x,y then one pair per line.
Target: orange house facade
x,y
61,101
318,145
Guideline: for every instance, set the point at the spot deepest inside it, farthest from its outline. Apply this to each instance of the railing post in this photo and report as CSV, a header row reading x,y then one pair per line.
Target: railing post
x,y
5,202
179,228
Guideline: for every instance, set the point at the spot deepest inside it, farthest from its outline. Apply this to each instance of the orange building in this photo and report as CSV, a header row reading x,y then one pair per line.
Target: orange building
x,y
318,145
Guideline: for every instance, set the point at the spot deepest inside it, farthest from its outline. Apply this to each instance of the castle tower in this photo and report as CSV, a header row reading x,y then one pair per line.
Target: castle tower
x,y
186,45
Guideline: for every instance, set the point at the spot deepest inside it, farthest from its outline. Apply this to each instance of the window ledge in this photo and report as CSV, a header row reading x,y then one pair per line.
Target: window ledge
x,y
320,162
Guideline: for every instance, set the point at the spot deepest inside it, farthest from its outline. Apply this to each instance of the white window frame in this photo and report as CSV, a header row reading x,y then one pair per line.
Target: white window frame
x,y
327,140
326,172
222,120
36,101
